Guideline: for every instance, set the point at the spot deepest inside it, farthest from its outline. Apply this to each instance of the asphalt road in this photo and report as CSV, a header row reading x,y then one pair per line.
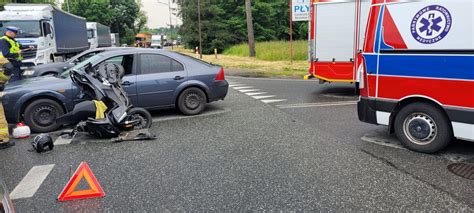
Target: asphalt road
x,y
271,145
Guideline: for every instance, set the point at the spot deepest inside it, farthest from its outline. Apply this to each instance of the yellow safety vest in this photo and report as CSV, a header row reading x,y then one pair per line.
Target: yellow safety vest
x,y
3,60
14,47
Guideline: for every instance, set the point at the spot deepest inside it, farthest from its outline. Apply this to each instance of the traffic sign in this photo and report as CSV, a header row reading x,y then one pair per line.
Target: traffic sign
x,y
300,10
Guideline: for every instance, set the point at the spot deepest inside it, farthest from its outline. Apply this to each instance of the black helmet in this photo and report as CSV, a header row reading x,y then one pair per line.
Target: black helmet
x,y
41,141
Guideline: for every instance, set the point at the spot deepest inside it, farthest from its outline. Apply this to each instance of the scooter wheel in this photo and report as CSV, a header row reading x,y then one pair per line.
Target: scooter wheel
x,y
143,115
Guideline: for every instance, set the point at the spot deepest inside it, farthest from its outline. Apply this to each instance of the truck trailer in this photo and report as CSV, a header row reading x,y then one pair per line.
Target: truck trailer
x,y
98,35
55,34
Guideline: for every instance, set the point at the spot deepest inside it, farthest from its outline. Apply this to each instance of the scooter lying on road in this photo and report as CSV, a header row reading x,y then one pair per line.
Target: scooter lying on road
x,y
106,111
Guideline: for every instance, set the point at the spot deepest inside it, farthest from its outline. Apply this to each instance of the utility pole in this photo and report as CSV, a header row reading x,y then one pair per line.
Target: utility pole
x,y
199,26
171,23
250,34
67,3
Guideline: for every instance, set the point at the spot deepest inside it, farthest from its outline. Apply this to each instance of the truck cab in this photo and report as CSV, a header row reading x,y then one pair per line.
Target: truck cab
x,y
35,24
98,35
418,71
55,34
156,41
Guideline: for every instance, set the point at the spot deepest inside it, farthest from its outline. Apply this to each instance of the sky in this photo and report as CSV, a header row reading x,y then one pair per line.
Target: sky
x,y
158,14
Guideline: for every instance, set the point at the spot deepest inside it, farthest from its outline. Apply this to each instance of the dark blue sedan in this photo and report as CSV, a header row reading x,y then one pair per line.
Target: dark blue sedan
x,y
153,79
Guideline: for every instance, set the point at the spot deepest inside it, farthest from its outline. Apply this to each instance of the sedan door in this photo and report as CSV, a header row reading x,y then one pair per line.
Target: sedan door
x,y
158,78
129,80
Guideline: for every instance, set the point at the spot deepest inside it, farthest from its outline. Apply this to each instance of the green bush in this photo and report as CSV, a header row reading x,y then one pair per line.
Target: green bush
x,y
272,50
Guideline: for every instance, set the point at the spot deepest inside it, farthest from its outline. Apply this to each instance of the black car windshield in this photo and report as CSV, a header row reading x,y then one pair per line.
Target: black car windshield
x,y
81,65
28,29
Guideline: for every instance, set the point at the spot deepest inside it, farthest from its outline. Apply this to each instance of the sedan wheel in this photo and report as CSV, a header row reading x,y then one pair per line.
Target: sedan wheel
x,y
41,115
192,101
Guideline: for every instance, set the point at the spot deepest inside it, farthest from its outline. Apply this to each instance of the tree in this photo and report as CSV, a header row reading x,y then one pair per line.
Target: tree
x,y
224,23
250,33
123,16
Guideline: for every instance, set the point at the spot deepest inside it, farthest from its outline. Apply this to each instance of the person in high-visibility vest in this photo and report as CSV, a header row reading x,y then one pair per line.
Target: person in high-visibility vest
x,y
11,50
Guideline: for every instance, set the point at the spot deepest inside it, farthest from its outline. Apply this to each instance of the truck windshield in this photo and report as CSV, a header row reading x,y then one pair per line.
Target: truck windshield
x,y
28,29
90,34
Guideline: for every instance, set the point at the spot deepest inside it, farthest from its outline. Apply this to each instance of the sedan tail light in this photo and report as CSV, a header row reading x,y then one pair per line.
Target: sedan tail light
x,y
220,76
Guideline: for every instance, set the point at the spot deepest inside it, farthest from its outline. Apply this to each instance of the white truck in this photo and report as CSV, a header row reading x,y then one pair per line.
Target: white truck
x,y
98,35
54,34
157,41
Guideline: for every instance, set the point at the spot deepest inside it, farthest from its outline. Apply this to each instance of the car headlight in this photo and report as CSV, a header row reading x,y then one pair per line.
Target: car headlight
x,y
28,72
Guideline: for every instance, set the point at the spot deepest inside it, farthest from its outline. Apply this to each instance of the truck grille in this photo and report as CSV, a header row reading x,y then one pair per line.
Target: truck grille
x,y
29,54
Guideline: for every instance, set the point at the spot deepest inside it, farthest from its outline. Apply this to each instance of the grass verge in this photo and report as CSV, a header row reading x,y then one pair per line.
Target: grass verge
x,y
272,50
254,67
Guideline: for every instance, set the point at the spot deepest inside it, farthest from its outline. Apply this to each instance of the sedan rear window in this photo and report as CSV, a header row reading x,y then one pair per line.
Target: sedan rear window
x,y
154,63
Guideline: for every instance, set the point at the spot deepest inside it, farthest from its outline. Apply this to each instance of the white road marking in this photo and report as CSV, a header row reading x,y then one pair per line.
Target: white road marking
x,y
62,141
236,85
268,101
249,90
340,96
180,117
343,103
31,182
238,88
255,93
258,97
394,143
269,79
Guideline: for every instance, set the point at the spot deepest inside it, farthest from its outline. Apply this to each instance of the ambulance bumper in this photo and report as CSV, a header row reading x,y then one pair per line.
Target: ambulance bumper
x,y
366,111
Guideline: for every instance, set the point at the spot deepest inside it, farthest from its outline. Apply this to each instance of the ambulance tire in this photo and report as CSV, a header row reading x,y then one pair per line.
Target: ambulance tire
x,y
423,127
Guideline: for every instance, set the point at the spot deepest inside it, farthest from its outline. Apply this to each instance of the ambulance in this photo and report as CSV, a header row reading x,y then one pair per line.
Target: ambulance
x,y
337,32
418,71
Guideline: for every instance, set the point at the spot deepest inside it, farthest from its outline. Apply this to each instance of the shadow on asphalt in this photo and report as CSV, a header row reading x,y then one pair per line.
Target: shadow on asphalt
x,y
175,114
457,150
345,91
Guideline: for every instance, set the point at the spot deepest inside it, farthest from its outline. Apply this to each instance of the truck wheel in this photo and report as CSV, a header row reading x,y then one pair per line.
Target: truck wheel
x,y
192,101
423,128
40,115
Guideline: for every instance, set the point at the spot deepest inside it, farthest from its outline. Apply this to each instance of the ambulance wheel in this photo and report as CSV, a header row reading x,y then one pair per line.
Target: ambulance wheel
x,y
423,128
41,115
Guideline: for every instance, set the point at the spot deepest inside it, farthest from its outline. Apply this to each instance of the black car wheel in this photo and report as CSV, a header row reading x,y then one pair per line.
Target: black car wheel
x,y
192,101
423,128
41,115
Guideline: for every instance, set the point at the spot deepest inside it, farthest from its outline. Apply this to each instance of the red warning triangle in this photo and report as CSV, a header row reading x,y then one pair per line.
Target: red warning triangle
x,y
83,171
